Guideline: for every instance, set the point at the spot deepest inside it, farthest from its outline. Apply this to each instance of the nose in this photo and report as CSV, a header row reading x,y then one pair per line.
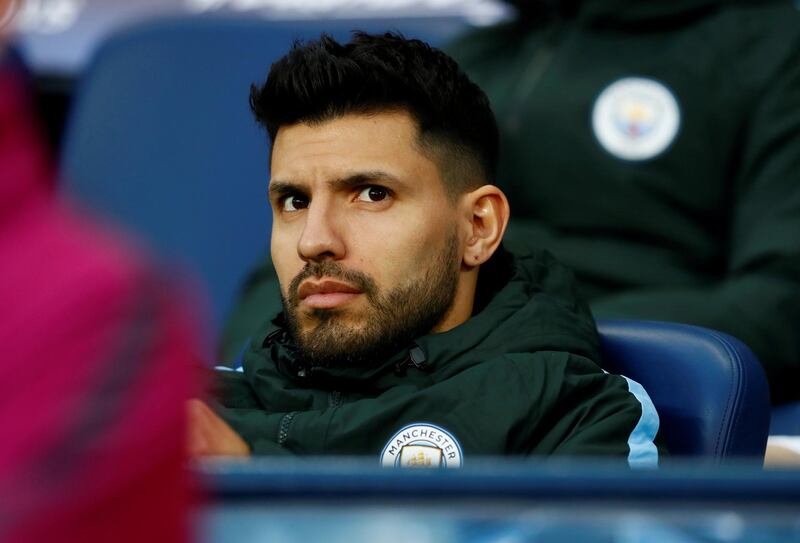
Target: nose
x,y
321,238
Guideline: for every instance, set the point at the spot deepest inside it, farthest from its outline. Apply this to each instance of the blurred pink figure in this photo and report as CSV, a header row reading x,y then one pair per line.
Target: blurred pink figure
x,y
95,361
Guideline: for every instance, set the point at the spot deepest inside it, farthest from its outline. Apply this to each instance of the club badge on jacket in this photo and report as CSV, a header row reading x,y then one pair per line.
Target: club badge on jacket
x,y
636,118
422,445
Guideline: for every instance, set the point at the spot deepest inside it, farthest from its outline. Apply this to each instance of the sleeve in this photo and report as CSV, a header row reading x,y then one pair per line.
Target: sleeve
x,y
231,389
591,413
239,406
758,300
260,429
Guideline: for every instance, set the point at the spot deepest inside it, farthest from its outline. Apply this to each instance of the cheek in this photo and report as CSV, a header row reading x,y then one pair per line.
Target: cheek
x,y
395,252
283,251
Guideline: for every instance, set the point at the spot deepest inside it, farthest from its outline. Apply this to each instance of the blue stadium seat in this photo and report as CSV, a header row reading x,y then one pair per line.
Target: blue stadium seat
x,y
161,139
709,389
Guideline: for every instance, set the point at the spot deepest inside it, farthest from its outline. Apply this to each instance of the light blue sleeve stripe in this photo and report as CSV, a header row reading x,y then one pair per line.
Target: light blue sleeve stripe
x,y
643,451
226,368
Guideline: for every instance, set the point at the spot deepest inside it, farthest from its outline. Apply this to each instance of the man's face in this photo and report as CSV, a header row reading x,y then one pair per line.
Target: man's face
x,y
364,239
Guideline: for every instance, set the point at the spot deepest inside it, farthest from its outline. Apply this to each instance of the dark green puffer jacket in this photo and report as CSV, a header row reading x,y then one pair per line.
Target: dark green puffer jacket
x,y
520,377
702,224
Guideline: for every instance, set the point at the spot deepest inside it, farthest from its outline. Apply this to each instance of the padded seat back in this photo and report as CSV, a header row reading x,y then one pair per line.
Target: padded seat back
x,y
709,388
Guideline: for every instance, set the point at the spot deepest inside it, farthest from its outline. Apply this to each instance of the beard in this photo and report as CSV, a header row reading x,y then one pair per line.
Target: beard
x,y
391,320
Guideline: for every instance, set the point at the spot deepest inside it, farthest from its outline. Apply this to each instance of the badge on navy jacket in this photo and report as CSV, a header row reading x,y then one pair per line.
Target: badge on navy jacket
x,y
422,445
636,118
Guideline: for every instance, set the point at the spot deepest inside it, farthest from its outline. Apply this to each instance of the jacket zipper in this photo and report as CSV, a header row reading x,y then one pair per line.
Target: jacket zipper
x,y
283,427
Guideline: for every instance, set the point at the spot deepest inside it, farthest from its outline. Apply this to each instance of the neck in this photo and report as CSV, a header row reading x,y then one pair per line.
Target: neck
x,y
461,309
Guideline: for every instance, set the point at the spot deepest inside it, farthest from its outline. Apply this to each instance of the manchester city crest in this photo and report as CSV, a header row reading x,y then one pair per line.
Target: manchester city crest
x,y
422,445
636,118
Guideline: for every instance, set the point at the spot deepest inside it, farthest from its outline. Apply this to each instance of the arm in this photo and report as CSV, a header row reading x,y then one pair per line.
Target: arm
x,y
589,413
211,432
209,435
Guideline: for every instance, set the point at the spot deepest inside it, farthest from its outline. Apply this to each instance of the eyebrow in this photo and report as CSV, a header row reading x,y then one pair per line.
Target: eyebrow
x,y
278,188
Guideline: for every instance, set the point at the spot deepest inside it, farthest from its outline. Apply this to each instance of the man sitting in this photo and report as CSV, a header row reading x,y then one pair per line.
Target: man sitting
x,y
408,333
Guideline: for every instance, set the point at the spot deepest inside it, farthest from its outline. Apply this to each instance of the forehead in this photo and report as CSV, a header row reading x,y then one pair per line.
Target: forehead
x,y
385,141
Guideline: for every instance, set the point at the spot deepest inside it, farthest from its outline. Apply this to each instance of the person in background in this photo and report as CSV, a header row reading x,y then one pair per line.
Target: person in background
x,y
654,147
95,355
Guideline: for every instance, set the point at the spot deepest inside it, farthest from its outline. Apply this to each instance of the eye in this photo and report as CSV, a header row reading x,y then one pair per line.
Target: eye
x,y
295,202
373,193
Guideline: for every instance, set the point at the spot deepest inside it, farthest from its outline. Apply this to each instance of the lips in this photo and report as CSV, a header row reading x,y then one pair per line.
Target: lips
x,y
327,293
326,286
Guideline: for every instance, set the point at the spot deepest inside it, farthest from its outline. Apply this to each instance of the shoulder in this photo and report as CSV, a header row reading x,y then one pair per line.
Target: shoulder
x,y
102,352
567,382
85,291
586,411
550,314
63,251
758,38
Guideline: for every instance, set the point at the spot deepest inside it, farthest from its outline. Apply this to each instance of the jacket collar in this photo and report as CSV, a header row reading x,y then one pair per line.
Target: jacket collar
x,y
283,352
422,356
524,303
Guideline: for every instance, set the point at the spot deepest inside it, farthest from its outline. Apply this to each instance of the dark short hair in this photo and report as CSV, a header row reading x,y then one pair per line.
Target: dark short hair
x,y
322,80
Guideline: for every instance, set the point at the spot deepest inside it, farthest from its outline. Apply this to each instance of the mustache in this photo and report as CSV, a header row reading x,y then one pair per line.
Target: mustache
x,y
334,270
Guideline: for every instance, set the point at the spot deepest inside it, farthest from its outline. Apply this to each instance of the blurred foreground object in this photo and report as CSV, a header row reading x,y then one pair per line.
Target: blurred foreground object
x,y
94,369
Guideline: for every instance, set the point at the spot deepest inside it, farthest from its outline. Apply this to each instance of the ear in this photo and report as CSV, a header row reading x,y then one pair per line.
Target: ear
x,y
487,211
